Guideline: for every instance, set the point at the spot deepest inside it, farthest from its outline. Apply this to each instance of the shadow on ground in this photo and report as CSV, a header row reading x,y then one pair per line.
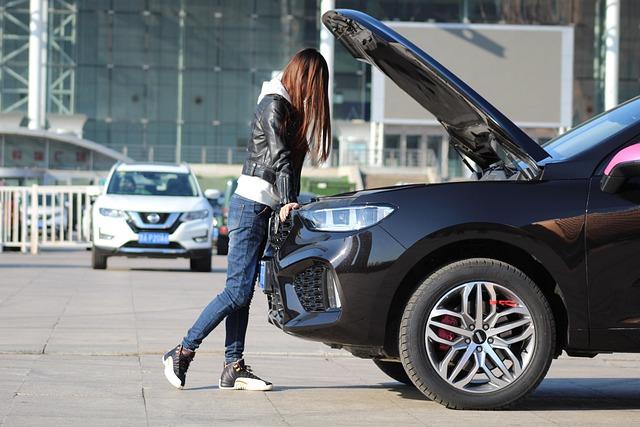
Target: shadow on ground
x,y
567,394
554,394
584,394
41,266
172,270
384,386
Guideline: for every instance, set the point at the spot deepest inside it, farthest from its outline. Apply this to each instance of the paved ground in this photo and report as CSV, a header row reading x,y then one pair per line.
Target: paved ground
x,y
83,347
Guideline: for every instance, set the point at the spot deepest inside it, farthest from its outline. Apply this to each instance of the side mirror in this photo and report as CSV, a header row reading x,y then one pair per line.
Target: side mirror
x,y
624,165
210,193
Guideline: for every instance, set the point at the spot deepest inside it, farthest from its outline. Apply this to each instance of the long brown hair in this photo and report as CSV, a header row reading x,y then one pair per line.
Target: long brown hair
x,y
306,78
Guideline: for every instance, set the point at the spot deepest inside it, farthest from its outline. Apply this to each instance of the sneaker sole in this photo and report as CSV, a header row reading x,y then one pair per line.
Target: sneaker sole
x,y
247,384
169,374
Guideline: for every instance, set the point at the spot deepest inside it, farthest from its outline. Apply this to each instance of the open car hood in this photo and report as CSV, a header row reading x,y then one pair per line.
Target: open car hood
x,y
477,129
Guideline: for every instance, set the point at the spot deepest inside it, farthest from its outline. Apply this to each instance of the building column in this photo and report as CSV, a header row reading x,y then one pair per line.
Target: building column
x,y
424,154
402,149
611,58
376,145
326,47
343,149
180,107
36,109
444,158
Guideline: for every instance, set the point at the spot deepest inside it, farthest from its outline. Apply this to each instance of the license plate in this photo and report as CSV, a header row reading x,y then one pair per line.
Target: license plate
x,y
153,238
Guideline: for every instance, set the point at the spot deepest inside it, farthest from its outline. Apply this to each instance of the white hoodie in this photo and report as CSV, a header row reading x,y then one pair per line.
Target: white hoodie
x,y
252,187
274,87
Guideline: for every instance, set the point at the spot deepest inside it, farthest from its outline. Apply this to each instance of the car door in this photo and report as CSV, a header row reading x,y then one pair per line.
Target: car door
x,y
613,258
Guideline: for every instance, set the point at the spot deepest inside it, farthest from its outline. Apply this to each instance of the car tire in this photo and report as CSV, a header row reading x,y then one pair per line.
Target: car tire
x,y
395,370
514,361
222,245
98,260
202,264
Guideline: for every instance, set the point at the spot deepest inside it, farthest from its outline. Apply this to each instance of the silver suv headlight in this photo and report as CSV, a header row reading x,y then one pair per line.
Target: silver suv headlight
x,y
112,213
193,215
350,218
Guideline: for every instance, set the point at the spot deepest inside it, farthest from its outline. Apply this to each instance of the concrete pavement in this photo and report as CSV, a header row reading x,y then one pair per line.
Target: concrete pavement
x,y
83,347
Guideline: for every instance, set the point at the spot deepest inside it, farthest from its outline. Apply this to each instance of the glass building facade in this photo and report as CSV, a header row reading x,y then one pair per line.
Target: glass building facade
x,y
151,74
154,75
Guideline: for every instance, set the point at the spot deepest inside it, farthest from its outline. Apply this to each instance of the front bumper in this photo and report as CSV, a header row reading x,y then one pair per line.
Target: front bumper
x,y
123,239
296,281
154,252
292,307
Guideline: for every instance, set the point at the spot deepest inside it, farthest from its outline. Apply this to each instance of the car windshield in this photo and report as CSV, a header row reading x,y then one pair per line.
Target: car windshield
x,y
594,131
137,183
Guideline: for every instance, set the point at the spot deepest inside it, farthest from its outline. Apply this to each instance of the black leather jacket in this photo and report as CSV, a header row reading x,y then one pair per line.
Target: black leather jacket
x,y
269,154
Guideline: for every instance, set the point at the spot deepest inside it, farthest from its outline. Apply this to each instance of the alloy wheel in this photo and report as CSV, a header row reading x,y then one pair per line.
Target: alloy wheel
x,y
480,337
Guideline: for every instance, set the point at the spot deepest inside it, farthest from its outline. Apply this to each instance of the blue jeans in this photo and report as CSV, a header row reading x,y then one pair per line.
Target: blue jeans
x,y
248,224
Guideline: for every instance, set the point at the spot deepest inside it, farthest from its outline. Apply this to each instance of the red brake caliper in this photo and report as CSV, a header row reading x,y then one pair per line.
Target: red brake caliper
x,y
504,303
444,334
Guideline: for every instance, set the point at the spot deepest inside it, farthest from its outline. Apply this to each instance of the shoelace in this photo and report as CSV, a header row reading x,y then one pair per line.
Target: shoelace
x,y
183,361
249,372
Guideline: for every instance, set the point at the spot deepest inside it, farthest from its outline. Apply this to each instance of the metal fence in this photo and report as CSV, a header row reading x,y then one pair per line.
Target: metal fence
x,y
46,216
190,154
412,158
389,157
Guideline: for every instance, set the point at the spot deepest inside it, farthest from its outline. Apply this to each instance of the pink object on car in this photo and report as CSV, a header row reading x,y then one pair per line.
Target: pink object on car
x,y
627,154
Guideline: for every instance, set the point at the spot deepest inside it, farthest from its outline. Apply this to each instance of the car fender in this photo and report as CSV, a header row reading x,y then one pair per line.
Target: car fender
x,y
420,259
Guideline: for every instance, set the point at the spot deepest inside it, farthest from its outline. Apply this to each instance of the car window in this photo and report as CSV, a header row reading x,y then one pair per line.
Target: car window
x,y
593,131
135,183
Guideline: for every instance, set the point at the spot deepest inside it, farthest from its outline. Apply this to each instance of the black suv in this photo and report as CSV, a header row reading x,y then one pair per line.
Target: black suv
x,y
468,289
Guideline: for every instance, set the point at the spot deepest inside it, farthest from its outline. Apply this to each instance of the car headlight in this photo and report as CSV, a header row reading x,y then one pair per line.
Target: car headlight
x,y
193,215
112,213
348,218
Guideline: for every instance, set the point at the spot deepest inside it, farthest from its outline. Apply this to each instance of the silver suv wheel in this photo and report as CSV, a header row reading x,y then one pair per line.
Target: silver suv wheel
x,y
480,337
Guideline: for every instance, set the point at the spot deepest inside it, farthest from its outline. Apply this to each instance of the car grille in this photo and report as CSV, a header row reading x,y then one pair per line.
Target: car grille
x,y
134,244
168,230
279,231
309,287
162,217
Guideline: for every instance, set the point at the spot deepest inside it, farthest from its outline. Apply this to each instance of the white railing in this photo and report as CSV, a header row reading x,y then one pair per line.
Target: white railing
x,y
46,216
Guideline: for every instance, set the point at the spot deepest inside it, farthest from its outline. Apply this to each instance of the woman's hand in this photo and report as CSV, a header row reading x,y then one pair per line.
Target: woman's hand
x,y
286,209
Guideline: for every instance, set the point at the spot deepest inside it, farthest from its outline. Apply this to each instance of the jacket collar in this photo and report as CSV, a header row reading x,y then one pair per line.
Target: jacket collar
x,y
274,87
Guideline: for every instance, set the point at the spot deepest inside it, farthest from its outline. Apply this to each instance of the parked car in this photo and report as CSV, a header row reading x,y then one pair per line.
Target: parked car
x,y
222,242
152,210
467,290
215,199
53,213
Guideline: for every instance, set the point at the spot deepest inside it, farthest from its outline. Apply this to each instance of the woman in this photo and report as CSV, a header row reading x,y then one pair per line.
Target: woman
x,y
291,121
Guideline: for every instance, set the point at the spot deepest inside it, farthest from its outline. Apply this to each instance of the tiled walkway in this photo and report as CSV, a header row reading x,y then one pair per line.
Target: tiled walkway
x,y
83,347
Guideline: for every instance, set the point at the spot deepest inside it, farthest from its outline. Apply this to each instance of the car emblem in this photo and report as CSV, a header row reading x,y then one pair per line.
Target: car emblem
x,y
153,218
479,336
